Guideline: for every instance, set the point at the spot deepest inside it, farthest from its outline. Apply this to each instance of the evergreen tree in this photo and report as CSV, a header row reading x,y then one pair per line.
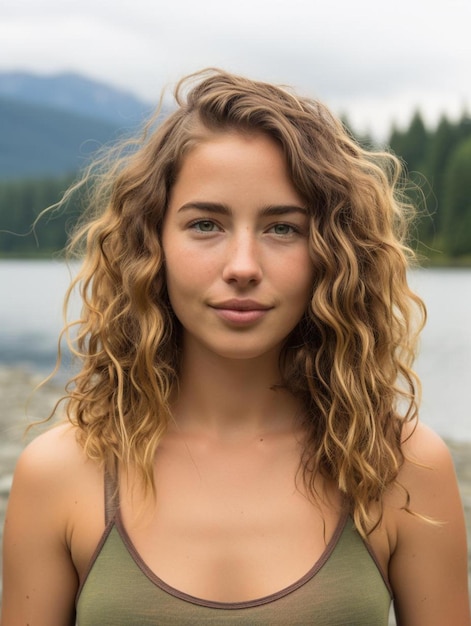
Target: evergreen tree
x,y
21,202
457,201
442,144
411,145
464,125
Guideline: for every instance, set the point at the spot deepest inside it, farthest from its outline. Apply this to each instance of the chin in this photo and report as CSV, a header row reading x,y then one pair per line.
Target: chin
x,y
248,353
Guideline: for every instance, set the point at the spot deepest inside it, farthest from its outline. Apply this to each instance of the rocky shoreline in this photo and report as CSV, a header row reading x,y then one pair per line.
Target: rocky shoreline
x,y
20,406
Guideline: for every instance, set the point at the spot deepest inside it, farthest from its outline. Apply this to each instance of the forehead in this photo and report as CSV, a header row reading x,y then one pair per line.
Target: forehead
x,y
232,142
237,163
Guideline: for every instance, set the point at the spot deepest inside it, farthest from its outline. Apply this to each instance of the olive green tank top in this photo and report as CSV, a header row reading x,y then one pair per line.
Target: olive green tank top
x,y
344,588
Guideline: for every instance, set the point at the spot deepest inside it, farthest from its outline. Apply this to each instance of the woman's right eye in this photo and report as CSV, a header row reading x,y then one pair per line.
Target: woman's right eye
x,y
204,226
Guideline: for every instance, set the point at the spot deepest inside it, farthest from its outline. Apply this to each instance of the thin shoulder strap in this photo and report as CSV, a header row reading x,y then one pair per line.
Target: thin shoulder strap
x,y
111,496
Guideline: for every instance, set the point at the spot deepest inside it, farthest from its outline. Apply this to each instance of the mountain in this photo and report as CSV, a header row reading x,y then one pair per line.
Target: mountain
x,y
39,141
50,125
76,94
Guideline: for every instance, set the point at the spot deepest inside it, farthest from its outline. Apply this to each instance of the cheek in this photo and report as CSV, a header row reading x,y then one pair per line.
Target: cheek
x,y
186,278
298,277
186,271
178,283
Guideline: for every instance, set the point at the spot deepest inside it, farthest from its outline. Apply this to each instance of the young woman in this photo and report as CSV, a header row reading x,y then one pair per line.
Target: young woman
x,y
242,443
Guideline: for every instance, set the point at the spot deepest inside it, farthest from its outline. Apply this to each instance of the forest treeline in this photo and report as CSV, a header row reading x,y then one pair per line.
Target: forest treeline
x,y
437,162
438,166
22,234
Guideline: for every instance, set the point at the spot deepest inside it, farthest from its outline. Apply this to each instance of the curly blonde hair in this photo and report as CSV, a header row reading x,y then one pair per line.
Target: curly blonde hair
x,y
350,357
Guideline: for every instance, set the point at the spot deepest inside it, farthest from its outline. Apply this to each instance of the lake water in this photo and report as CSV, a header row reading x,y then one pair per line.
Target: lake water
x,y
31,294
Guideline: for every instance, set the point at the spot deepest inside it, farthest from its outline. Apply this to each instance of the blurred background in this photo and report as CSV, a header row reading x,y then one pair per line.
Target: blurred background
x,y
76,75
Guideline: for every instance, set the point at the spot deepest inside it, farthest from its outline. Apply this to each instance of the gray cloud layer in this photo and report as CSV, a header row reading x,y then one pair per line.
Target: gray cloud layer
x,y
375,61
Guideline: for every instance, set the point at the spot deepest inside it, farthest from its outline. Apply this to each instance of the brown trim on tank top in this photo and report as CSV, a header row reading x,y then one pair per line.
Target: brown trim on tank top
x,y
113,518
111,507
158,582
379,567
96,553
111,496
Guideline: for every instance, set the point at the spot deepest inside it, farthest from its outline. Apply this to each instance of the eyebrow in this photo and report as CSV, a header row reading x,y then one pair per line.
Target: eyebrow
x,y
224,209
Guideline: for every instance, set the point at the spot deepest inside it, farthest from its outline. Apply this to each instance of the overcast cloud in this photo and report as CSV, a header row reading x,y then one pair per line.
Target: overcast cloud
x,y
374,61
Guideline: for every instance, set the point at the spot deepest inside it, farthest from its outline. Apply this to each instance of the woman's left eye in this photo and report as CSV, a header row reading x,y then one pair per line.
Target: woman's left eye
x,y
283,229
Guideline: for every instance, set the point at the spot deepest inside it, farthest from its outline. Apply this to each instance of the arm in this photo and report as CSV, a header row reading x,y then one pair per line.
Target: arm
x,y
39,579
428,568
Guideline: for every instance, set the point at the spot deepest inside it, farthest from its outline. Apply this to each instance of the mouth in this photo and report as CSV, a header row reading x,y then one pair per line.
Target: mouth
x,y
241,305
241,312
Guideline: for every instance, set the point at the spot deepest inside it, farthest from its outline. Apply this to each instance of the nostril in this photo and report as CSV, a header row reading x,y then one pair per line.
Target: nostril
x,y
243,264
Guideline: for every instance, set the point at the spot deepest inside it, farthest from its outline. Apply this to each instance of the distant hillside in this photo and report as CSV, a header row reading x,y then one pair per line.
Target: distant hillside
x,y
74,93
51,124
38,140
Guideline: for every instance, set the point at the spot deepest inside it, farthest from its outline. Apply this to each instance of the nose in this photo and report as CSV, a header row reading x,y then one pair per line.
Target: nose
x,y
243,264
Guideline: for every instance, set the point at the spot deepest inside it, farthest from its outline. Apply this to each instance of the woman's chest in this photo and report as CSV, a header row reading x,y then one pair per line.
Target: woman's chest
x,y
224,525
231,529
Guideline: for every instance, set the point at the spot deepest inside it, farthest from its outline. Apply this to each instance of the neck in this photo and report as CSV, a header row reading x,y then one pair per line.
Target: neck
x,y
231,397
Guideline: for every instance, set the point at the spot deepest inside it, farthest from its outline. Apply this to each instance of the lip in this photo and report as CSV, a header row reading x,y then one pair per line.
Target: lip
x,y
241,312
241,305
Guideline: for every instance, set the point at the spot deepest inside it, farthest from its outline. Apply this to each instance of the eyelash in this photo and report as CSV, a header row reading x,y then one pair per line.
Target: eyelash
x,y
294,230
194,225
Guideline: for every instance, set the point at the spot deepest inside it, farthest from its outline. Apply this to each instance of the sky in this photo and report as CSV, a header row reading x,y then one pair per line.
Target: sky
x,y
375,62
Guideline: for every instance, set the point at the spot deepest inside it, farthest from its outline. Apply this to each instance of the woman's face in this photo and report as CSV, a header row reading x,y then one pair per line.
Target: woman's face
x,y
235,242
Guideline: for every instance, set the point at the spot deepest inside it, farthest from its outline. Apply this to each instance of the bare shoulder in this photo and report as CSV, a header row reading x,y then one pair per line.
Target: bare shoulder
x,y
422,445
53,485
60,439
54,478
51,459
426,484
426,456
428,564
428,471
62,436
